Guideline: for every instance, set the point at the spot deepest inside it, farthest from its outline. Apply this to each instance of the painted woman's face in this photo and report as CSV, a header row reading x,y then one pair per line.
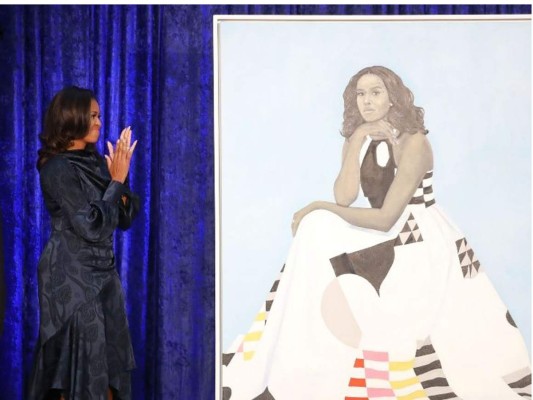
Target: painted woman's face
x,y
94,129
372,98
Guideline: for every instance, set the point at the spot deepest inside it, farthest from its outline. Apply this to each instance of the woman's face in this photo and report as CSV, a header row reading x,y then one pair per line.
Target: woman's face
x,y
372,98
94,129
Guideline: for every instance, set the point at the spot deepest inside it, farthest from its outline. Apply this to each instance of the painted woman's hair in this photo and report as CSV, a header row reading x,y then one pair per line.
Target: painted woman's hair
x,y
68,117
403,114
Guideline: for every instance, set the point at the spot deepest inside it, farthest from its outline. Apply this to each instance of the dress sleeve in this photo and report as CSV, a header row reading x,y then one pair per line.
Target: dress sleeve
x,y
94,221
128,209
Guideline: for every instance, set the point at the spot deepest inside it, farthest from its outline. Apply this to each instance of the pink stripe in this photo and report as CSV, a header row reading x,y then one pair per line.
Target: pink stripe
x,y
380,393
376,374
375,355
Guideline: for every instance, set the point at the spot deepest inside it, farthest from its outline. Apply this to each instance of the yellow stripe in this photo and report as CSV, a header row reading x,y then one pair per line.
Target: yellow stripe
x,y
401,365
248,355
261,316
419,394
252,336
404,383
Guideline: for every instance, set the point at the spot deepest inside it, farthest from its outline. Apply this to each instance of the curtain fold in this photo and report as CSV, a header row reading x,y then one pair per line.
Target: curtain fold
x,y
150,67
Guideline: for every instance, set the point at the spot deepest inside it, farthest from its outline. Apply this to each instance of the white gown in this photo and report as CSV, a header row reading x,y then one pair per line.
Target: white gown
x,y
362,314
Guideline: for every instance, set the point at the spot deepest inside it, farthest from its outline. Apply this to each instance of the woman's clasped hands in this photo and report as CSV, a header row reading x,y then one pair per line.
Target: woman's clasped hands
x,y
119,158
377,130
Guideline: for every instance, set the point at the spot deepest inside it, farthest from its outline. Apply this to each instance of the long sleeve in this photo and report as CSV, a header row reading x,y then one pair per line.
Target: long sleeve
x,y
93,220
128,210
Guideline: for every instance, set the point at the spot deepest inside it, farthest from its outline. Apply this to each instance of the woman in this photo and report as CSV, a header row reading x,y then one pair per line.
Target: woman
x,y
84,349
385,302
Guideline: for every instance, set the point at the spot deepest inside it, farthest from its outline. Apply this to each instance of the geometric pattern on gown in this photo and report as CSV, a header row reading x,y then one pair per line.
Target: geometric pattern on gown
x,y
429,370
410,233
383,374
373,263
468,260
250,340
510,319
376,375
424,192
520,382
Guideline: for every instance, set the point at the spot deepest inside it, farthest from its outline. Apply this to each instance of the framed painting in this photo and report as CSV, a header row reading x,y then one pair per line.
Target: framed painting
x,y
282,87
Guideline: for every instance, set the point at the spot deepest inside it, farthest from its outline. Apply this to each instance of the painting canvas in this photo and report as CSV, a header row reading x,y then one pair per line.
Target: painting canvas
x,y
279,116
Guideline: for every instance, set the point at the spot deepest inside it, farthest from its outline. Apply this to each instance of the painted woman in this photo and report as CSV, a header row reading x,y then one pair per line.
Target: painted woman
x,y
380,302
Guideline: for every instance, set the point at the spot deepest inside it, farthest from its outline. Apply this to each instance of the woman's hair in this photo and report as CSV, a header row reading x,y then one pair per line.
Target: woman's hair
x,y
403,114
68,117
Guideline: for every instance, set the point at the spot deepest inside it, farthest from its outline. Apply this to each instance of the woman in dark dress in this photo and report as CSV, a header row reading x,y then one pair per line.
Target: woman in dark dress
x,y
84,349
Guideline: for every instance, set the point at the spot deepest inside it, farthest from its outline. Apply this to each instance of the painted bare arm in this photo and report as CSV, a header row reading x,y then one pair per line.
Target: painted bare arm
x,y
346,187
415,161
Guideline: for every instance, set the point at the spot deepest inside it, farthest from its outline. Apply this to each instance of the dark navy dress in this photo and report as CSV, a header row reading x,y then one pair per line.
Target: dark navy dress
x,y
84,343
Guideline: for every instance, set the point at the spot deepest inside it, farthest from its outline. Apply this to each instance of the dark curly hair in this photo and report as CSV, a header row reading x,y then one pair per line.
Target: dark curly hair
x,y
68,117
403,115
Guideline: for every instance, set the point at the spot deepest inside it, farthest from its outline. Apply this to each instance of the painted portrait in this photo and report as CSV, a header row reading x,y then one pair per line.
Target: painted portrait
x,y
406,307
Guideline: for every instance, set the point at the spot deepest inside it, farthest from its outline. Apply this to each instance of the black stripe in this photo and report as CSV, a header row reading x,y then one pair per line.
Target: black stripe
x,y
443,396
274,286
425,350
428,367
428,190
269,304
525,381
428,175
437,382
417,200
430,203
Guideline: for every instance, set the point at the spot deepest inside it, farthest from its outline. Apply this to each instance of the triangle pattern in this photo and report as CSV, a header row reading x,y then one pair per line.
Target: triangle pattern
x,y
410,239
468,261
462,247
465,259
410,233
406,228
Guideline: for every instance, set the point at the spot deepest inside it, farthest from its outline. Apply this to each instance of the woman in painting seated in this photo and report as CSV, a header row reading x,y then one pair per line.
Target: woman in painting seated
x,y
385,302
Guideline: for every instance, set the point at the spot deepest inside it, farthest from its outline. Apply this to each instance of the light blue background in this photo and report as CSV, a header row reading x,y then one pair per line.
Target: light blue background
x,y
281,111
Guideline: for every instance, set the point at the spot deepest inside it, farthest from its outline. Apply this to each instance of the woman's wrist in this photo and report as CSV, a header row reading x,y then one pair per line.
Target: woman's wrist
x,y
317,205
358,138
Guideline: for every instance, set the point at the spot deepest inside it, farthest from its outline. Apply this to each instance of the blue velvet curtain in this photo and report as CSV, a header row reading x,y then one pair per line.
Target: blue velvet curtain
x,y
151,68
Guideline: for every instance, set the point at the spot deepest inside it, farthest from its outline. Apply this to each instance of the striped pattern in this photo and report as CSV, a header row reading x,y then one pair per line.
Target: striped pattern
x,y
248,343
520,382
429,371
424,192
376,376
469,262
